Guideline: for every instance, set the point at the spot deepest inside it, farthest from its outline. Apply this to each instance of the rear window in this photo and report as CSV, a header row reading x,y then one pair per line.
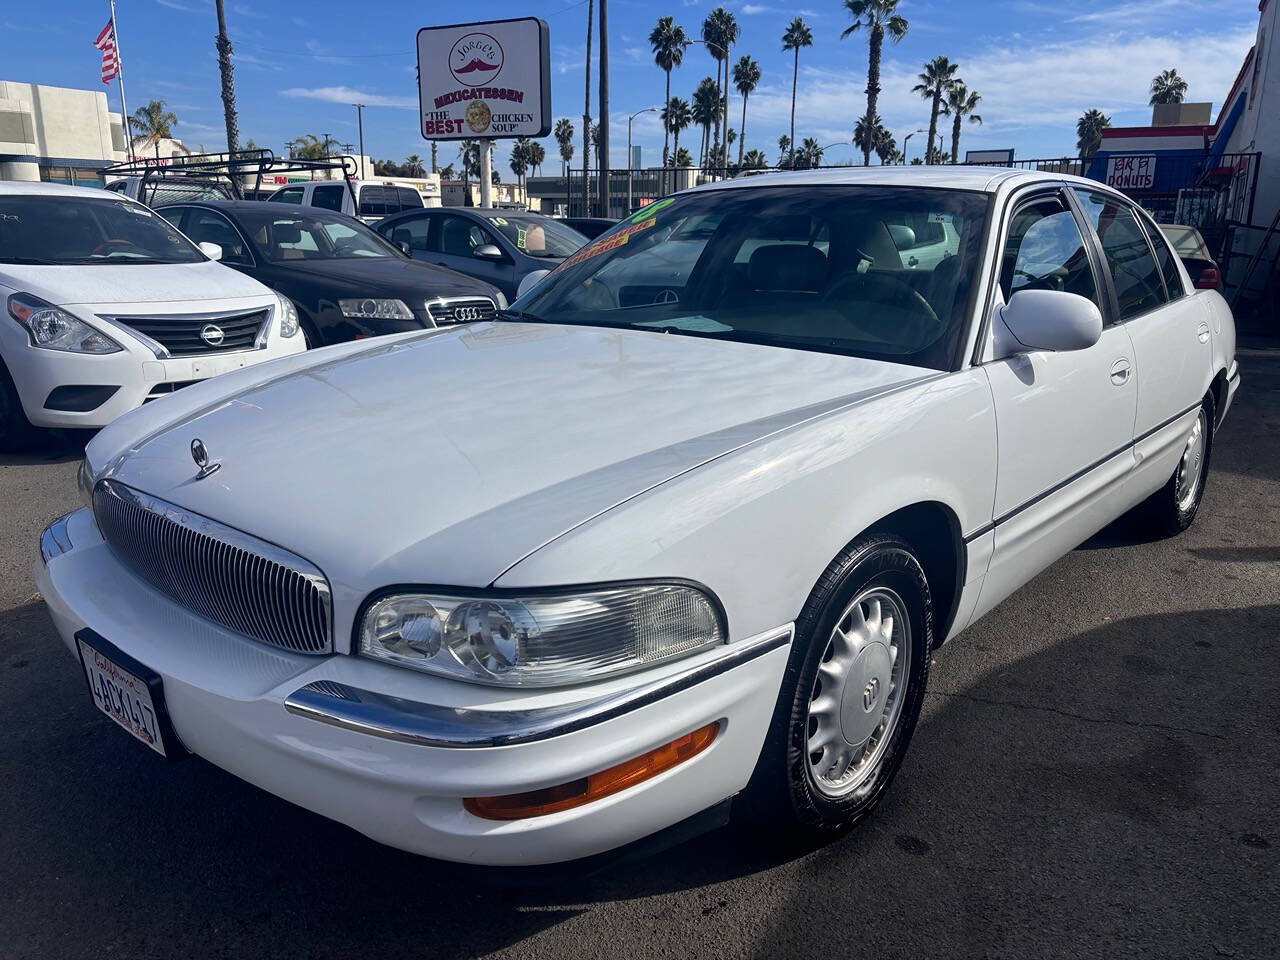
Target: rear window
x,y
373,201
409,199
328,197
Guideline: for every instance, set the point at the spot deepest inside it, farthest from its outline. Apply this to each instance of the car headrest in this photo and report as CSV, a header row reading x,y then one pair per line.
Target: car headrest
x,y
877,243
787,266
286,231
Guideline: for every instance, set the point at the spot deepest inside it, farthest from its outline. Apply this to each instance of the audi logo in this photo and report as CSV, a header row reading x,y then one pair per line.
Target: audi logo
x,y
466,314
212,334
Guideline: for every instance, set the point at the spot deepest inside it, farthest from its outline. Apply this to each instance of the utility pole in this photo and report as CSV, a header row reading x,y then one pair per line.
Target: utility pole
x,y
360,121
604,109
630,165
124,108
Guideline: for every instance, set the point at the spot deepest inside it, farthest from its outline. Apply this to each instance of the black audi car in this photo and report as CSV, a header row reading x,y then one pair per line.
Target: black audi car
x,y
346,281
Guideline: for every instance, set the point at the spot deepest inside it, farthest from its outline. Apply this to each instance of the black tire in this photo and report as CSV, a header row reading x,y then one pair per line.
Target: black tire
x,y
16,432
1165,512
781,793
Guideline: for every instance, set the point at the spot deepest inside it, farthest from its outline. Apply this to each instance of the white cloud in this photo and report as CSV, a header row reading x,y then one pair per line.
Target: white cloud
x,y
348,96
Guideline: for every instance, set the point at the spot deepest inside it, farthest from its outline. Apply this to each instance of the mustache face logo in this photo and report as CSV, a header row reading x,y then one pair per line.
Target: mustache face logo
x,y
475,65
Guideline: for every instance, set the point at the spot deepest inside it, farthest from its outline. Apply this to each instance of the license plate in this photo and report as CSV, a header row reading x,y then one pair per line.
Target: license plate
x,y
202,369
125,690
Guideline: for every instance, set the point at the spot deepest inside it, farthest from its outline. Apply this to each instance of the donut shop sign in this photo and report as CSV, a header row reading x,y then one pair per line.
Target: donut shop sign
x,y
483,81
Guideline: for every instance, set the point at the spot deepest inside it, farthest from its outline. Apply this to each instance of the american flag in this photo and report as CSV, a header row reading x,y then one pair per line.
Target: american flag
x,y
106,42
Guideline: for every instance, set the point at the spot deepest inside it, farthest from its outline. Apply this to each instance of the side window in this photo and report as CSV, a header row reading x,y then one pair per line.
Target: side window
x,y
287,195
1165,258
1139,287
373,202
409,199
410,230
328,197
1045,250
459,236
205,226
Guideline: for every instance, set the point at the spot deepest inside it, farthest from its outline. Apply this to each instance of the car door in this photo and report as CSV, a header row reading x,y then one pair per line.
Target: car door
x,y
1169,330
452,243
202,225
1064,419
408,232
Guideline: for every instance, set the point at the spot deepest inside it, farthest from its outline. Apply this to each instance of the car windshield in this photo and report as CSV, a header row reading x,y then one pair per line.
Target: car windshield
x,y
539,237
880,272
51,229
303,236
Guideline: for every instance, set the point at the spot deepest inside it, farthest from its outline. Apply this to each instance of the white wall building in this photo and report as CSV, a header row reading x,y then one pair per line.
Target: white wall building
x,y
1250,116
56,133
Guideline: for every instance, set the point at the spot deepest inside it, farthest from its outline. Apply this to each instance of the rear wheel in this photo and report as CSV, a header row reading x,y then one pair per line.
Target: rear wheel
x,y
1173,508
16,432
851,694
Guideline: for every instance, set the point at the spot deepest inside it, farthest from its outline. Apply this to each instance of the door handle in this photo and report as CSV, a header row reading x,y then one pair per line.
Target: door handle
x,y
1120,371
1202,332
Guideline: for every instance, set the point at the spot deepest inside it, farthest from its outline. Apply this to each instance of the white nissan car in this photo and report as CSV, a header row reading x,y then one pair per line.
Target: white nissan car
x,y
702,528
104,305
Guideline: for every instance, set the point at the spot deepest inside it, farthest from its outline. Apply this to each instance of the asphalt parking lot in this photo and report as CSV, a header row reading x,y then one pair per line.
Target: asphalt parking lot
x,y
1096,773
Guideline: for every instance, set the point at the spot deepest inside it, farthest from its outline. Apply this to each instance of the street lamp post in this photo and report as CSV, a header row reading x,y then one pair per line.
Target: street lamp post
x,y
838,143
630,171
906,138
360,122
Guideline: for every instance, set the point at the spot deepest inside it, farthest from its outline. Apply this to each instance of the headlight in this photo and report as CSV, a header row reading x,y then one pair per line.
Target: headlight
x,y
370,309
54,329
288,317
541,640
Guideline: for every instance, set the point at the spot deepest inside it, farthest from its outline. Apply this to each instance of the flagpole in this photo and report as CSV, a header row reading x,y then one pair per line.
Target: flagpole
x,y
124,107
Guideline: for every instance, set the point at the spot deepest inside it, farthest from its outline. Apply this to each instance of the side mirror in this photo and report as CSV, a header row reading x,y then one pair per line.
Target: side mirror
x,y
405,248
211,250
529,281
487,251
1052,320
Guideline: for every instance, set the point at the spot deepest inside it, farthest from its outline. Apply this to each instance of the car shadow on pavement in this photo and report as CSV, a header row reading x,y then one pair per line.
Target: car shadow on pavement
x,y
1115,788
51,446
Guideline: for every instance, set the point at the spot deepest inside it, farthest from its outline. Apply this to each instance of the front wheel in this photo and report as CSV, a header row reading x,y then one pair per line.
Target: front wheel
x,y
851,693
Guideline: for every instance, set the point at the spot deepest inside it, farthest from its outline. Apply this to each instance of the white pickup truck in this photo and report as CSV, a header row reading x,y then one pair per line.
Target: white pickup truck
x,y
367,199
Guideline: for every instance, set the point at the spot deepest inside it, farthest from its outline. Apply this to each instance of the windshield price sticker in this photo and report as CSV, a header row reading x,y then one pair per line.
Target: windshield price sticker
x,y
605,244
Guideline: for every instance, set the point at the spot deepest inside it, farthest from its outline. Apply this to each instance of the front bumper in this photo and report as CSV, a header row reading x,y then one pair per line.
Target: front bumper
x,y
392,754
135,371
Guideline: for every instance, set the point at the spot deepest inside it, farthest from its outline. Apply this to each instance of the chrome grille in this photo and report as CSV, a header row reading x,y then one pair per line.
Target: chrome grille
x,y
247,585
462,310
194,334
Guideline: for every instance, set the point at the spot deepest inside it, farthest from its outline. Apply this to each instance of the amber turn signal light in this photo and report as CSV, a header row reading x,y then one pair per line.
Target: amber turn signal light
x,y
566,796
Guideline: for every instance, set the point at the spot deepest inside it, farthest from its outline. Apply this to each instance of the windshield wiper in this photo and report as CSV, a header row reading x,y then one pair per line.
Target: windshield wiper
x,y
31,261
519,316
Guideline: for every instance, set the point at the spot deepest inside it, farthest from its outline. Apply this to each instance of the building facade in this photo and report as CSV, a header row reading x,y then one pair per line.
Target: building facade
x,y
57,134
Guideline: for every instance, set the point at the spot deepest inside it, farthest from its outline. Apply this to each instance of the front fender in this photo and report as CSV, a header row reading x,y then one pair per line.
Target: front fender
x,y
759,525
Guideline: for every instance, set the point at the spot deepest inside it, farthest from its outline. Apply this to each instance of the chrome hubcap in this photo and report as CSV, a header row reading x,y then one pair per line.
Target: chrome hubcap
x,y
1191,466
858,693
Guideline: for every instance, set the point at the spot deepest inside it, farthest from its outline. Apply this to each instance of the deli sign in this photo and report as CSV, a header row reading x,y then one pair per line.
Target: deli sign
x,y
483,81
1131,172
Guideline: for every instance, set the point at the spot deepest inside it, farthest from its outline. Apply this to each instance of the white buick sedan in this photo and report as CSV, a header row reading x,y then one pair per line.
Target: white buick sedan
x,y
684,525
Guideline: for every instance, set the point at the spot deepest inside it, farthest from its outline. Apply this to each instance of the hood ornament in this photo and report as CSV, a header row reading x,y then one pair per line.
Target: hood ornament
x,y
201,456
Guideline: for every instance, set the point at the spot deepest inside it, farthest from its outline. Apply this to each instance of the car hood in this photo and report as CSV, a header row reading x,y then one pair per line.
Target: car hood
x,y
447,456
392,275
102,284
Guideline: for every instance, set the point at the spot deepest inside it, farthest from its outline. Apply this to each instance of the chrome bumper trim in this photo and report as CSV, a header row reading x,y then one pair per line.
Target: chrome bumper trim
x,y
54,540
431,725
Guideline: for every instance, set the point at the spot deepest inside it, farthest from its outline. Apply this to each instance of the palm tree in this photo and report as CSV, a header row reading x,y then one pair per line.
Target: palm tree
x,y
879,17
520,159
961,102
537,154
869,132
227,71
668,42
682,158
1168,87
154,123
1089,132
935,79
754,160
414,163
720,32
676,116
746,76
886,147
784,152
706,110
809,155
564,137
448,173
797,35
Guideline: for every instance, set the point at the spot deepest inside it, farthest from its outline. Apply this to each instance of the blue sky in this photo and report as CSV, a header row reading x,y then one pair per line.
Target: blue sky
x,y
1037,65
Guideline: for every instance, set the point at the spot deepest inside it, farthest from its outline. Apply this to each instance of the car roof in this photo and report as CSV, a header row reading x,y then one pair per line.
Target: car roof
x,y
34,187
944,176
